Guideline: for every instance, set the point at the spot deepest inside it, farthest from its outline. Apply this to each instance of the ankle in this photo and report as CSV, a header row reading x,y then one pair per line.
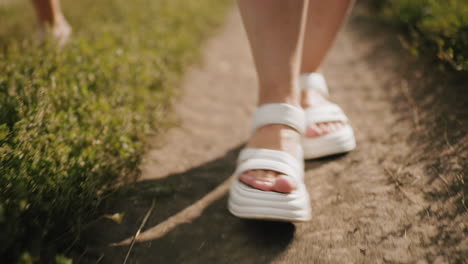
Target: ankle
x,y
272,94
312,98
293,100
304,99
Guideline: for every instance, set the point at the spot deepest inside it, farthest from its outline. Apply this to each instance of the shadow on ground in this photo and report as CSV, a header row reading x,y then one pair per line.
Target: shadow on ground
x,y
207,239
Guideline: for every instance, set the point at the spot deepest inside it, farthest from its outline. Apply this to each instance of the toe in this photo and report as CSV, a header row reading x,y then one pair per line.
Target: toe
x,y
339,125
262,183
320,129
284,184
267,180
324,127
313,131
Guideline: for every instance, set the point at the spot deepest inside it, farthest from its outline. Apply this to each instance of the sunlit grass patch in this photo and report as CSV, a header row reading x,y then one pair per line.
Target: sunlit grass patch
x,y
73,122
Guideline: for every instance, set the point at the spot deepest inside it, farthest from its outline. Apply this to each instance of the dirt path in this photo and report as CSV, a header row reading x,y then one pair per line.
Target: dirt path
x,y
369,206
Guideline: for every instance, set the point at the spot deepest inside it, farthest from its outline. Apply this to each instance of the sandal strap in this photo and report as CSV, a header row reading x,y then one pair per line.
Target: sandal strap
x,y
280,113
268,159
277,155
325,113
314,81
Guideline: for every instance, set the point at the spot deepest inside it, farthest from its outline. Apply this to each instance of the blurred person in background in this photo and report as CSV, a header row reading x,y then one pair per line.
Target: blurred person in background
x,y
51,21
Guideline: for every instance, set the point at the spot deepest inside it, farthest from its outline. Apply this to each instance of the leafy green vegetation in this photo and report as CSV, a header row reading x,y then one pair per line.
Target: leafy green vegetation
x,y
73,122
437,29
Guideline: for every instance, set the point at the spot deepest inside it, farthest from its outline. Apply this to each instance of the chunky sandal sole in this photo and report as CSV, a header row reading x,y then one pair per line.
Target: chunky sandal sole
x,y
249,203
337,142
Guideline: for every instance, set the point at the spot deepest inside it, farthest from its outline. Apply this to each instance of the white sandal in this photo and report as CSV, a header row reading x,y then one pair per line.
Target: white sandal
x,y
339,141
248,202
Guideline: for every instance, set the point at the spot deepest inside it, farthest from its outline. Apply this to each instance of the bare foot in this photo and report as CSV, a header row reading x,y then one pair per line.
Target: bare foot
x,y
276,137
314,98
59,33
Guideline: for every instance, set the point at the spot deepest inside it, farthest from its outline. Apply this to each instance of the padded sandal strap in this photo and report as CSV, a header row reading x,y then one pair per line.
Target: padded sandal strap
x,y
267,159
314,81
325,113
284,114
276,155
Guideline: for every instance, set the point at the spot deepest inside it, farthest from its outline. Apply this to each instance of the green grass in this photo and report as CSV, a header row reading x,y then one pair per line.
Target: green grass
x,y
73,123
434,29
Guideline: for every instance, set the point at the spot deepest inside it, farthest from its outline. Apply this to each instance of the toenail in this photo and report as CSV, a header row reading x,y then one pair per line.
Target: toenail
x,y
264,183
247,176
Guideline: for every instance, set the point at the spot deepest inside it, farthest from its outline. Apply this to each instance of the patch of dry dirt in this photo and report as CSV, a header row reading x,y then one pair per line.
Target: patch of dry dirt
x,y
400,197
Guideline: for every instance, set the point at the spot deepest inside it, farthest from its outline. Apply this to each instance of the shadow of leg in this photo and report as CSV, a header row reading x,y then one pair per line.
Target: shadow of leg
x,y
208,235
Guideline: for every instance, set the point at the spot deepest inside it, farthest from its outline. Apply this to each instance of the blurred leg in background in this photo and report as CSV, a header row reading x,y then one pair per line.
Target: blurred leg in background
x,y
51,21
324,20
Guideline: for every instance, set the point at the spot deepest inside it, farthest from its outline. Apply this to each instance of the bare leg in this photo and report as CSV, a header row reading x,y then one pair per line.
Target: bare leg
x,y
275,30
324,20
50,17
